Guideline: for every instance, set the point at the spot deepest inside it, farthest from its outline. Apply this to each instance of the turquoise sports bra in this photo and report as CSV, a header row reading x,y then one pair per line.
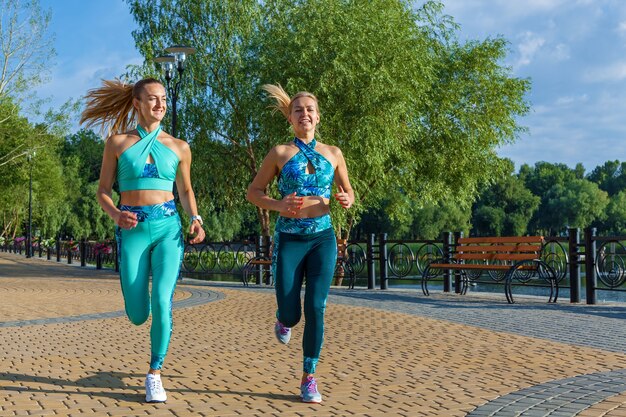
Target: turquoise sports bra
x,y
131,165
293,176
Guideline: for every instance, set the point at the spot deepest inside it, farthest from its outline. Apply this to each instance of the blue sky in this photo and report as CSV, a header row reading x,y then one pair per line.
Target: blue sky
x,y
93,41
574,52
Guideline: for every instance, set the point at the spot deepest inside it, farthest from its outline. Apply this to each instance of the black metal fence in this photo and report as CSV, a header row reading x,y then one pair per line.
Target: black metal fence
x,y
100,254
217,258
378,260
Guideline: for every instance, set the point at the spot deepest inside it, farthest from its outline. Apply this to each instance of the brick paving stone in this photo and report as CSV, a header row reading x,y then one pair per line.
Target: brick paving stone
x,y
393,353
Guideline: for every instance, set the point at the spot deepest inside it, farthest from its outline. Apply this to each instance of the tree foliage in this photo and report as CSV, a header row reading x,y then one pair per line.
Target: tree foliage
x,y
221,96
504,208
417,113
25,46
432,219
614,223
567,198
610,177
25,147
407,103
81,157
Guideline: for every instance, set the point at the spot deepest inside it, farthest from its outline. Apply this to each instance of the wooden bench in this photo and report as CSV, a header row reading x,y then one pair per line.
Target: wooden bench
x,y
258,263
519,258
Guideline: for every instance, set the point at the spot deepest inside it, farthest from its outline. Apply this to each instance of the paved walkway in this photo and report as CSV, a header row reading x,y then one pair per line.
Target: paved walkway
x,y
66,349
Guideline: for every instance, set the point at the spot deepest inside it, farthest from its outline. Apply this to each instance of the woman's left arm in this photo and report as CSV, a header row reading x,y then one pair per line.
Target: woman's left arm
x,y
185,192
345,194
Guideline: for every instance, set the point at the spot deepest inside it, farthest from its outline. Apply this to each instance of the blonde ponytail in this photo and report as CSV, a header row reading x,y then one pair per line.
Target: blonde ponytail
x,y
282,98
111,106
283,101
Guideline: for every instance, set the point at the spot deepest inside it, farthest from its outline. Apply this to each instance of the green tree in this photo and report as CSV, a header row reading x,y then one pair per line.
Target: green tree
x,y
488,220
426,221
81,155
222,100
615,221
504,208
25,46
25,58
50,196
409,105
374,220
19,140
88,147
540,179
432,219
544,175
577,203
567,198
610,177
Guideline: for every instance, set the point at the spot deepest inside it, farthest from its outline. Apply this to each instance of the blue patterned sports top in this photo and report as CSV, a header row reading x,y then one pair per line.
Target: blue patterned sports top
x,y
294,178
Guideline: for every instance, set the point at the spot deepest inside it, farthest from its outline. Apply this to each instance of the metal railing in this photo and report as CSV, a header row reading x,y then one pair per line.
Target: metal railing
x,y
378,259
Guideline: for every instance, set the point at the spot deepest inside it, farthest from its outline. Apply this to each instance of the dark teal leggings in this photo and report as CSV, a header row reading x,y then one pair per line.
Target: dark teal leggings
x,y
297,256
154,245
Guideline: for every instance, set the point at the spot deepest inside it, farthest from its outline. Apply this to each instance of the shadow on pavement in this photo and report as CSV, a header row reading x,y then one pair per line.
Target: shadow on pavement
x,y
115,381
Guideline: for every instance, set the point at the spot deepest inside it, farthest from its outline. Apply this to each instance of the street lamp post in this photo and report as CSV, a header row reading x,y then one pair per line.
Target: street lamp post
x,y
174,60
29,237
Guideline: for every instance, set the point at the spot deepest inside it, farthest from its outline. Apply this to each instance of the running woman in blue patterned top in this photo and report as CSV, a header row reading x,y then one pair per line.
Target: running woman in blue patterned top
x,y
145,161
304,239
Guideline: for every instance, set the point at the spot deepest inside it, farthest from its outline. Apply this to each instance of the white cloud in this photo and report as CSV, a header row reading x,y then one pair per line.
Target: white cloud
x,y
574,52
582,128
534,6
561,52
91,50
530,43
502,11
71,79
572,100
610,73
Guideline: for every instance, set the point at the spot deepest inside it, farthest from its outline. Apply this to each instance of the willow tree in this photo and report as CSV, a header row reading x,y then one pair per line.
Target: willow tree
x,y
19,139
25,46
411,108
220,105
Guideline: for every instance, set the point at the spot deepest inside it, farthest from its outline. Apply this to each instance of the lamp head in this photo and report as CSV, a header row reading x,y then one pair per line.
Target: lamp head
x,y
180,53
167,65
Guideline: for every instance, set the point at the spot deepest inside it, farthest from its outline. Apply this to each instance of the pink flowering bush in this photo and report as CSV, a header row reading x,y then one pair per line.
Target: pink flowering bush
x,y
103,247
71,245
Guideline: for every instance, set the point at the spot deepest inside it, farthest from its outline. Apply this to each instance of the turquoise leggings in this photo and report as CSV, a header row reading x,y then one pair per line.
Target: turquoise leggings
x,y
156,245
296,256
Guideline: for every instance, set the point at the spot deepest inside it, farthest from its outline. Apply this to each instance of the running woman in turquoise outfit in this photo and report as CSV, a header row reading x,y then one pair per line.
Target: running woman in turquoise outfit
x,y
304,241
146,162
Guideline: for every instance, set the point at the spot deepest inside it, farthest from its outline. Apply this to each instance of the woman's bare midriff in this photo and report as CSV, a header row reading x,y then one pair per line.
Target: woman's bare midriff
x,y
312,206
145,197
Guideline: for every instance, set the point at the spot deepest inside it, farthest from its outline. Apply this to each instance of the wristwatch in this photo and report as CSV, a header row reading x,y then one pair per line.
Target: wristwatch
x,y
197,217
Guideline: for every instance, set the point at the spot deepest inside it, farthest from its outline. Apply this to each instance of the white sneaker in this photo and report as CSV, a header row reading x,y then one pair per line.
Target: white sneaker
x,y
154,389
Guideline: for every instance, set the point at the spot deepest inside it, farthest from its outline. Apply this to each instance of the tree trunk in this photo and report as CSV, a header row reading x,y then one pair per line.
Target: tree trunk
x,y
264,220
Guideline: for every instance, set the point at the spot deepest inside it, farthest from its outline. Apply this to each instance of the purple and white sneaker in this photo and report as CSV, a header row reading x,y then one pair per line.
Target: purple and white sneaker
x,y
283,334
309,392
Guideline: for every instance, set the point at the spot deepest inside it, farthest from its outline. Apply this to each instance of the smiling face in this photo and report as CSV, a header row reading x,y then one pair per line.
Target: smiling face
x,y
151,103
304,117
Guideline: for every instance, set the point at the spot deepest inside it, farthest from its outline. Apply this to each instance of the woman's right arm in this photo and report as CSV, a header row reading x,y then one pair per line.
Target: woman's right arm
x,y
104,194
256,190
